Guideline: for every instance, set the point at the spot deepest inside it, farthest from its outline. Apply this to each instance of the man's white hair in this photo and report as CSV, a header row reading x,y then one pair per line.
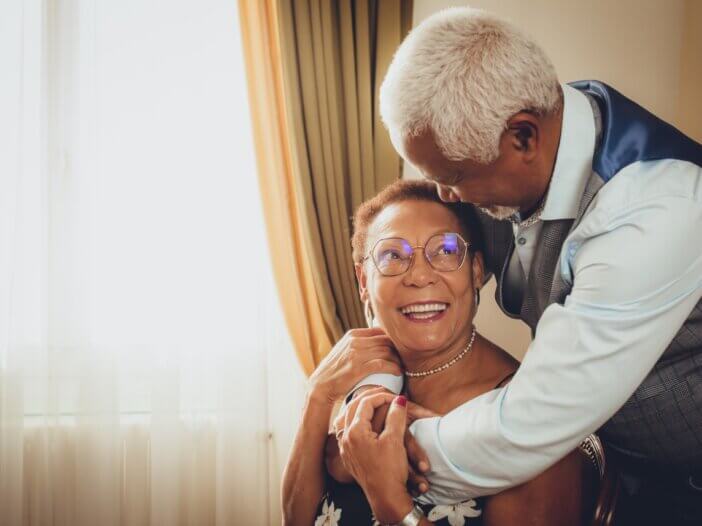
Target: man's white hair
x,y
463,73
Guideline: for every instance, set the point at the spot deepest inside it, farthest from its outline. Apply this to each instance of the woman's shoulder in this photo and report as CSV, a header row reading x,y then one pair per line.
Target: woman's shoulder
x,y
499,365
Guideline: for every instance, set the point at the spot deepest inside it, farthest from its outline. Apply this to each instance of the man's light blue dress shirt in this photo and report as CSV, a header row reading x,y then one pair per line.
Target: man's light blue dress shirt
x,y
635,265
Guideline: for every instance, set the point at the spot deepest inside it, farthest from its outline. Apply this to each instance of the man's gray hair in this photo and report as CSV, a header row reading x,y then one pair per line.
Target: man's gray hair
x,y
463,73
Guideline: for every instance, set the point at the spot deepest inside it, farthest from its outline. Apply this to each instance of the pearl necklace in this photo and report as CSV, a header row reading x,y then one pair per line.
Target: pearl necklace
x,y
447,364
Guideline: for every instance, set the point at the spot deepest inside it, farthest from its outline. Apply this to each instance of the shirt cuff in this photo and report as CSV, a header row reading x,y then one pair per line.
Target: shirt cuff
x,y
391,382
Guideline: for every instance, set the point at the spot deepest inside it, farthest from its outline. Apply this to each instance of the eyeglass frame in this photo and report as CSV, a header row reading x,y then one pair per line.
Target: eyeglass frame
x,y
414,248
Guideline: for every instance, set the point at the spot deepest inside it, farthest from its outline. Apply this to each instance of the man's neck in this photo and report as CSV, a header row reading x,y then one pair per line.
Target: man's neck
x,y
551,142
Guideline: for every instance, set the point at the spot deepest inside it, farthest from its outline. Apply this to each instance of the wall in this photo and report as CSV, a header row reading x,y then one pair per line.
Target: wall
x,y
690,102
648,49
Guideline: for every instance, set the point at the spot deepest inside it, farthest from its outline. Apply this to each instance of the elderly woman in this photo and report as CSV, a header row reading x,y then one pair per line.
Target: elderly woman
x,y
419,269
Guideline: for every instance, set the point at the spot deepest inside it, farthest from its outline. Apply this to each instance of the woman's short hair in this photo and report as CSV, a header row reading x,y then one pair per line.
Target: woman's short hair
x,y
401,191
462,73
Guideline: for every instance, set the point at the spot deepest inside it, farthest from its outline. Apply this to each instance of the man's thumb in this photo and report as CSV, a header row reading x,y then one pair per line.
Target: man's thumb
x,y
396,421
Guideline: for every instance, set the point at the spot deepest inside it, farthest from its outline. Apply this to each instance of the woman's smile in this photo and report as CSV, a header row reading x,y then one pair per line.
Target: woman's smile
x,y
424,311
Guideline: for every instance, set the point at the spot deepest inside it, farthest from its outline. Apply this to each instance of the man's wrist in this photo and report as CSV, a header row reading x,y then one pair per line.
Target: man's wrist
x,y
319,396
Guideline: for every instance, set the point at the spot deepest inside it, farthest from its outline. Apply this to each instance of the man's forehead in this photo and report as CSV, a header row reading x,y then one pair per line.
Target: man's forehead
x,y
423,153
421,147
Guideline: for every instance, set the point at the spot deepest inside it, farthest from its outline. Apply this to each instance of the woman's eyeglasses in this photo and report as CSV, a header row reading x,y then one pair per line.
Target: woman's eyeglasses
x,y
444,252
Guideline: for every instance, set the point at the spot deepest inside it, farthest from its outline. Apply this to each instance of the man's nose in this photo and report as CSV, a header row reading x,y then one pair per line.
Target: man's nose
x,y
446,194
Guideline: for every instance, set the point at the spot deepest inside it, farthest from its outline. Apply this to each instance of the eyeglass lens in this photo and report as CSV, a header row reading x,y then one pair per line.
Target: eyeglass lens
x,y
444,252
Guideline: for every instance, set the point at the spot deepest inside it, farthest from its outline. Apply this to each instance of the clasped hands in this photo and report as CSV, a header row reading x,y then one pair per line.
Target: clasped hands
x,y
371,442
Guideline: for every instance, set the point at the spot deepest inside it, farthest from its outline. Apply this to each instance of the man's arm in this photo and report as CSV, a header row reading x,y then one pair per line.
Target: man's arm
x,y
637,274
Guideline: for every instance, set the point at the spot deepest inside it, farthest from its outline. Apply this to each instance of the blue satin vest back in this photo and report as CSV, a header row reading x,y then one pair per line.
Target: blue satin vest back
x,y
630,133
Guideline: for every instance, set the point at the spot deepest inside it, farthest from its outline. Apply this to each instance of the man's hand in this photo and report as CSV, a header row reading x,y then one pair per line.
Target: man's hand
x,y
359,353
417,482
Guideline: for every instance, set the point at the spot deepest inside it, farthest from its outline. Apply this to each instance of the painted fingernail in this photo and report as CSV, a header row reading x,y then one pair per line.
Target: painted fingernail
x,y
423,466
423,487
401,401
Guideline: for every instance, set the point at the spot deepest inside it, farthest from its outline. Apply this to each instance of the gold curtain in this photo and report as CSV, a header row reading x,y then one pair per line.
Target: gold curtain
x,y
314,68
335,56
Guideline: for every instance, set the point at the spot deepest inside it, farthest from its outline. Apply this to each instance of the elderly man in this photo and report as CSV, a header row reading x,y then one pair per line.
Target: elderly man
x,y
592,209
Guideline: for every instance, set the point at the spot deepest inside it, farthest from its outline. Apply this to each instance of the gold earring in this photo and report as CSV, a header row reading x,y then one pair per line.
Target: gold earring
x,y
368,311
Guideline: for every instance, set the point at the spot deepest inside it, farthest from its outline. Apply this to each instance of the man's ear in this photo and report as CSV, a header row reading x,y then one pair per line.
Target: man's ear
x,y
362,280
524,133
478,270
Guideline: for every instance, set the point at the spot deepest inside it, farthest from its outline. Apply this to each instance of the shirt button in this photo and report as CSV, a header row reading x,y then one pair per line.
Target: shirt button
x,y
521,241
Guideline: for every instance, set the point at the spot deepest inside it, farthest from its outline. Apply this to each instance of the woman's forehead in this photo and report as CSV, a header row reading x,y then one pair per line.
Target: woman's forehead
x,y
412,220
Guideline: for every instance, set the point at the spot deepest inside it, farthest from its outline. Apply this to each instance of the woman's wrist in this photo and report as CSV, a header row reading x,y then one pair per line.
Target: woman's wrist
x,y
390,507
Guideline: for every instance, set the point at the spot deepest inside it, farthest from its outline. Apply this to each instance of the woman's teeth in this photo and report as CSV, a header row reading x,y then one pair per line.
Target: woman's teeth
x,y
423,311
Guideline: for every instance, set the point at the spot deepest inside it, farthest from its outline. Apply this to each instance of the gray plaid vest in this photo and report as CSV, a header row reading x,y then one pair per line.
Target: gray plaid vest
x,y
661,424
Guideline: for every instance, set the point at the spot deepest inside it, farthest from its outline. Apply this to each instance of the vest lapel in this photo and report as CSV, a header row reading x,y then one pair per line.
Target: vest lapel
x,y
559,288
541,274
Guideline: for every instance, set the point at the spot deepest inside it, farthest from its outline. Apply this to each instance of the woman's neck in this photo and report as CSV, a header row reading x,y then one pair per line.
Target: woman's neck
x,y
431,389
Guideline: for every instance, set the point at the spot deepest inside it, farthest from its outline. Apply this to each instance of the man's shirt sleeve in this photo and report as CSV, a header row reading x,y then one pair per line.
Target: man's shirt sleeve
x,y
391,382
636,271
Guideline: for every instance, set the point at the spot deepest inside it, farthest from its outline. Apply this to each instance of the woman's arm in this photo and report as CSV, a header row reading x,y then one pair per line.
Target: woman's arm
x,y
358,353
557,497
303,479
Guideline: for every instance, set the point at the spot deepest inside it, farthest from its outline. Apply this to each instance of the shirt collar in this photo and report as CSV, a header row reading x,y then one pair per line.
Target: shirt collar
x,y
573,164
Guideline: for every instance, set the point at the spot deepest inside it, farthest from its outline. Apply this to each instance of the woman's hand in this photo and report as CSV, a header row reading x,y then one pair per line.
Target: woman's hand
x,y
418,461
360,352
378,461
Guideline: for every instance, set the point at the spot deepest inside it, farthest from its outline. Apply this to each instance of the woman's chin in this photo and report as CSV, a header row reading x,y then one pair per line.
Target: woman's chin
x,y
421,334
415,336
422,338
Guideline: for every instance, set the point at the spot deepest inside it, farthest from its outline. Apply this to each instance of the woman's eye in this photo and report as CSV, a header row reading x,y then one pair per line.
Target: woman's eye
x,y
446,251
390,255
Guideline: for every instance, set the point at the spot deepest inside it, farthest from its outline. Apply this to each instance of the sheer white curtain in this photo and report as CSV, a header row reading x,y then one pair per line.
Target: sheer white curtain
x,y
146,377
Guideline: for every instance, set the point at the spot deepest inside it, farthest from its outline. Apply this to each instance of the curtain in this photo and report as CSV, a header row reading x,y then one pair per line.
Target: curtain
x,y
292,249
333,57
146,375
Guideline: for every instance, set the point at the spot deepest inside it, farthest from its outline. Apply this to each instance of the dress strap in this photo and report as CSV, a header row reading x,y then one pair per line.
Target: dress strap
x,y
505,380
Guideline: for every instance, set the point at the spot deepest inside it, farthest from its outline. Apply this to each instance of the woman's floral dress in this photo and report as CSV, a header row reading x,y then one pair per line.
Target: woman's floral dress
x,y
346,504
